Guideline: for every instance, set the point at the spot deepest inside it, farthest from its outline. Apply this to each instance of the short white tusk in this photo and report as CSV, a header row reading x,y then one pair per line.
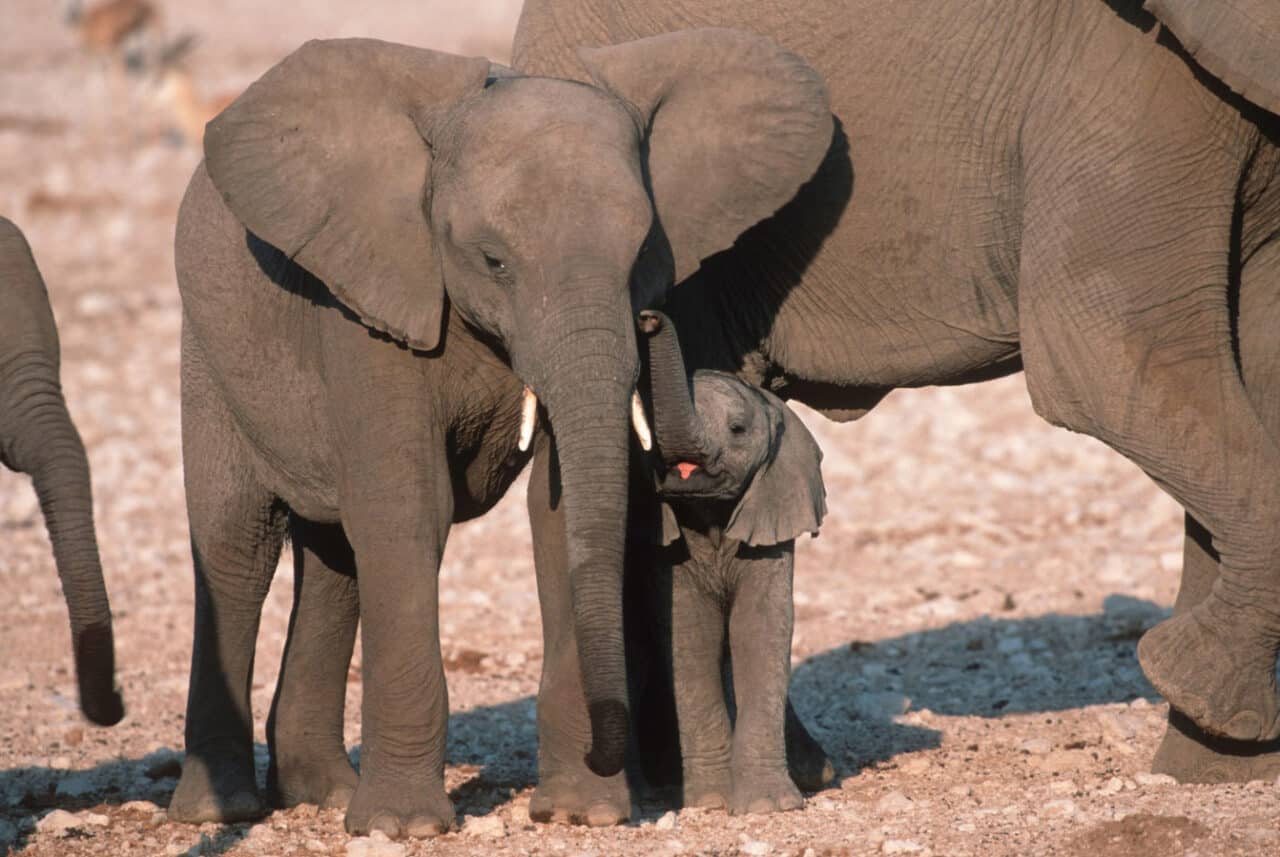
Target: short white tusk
x,y
639,422
528,418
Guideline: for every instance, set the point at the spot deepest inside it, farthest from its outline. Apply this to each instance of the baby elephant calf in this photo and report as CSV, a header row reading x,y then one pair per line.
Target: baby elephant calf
x,y
739,480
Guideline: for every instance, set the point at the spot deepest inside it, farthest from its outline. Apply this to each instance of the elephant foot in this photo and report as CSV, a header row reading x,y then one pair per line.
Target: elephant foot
x,y
761,792
810,768
1190,755
399,809
708,789
223,791
1220,675
588,799
328,782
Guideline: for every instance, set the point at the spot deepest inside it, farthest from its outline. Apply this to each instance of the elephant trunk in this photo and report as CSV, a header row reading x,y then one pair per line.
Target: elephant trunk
x,y
586,389
48,448
677,428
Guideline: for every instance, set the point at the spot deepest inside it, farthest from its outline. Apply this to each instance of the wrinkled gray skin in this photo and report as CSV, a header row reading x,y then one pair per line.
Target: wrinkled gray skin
x,y
1058,187
330,386
729,530
38,438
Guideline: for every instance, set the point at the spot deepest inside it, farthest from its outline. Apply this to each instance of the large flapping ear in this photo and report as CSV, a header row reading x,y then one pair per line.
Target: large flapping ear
x,y
324,157
786,498
736,125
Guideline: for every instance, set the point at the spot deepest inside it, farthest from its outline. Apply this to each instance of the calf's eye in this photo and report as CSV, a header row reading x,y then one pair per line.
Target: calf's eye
x,y
495,265
737,428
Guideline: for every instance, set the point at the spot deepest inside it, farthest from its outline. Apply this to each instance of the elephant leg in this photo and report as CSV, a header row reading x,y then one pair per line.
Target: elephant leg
x,y
811,769
760,624
568,791
309,762
1128,339
697,649
398,527
1187,752
237,529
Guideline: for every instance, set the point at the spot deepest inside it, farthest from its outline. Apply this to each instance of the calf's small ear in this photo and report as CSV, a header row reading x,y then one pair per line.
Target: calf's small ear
x,y
786,497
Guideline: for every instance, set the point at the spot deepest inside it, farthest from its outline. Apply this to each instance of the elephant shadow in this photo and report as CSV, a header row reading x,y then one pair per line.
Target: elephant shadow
x,y
851,696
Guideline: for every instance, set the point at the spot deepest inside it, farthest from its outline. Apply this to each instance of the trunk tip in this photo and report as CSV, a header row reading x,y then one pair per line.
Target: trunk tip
x,y
650,321
608,737
95,675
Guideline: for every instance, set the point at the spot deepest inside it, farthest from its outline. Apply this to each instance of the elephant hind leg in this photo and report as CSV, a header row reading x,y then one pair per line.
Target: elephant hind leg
x,y
1127,338
237,530
309,762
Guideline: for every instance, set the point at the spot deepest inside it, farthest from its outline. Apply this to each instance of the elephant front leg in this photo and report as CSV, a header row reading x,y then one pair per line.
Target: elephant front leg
x,y
568,791
398,534
309,761
760,641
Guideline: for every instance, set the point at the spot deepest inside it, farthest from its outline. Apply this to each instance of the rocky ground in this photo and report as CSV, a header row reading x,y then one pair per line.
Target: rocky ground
x,y
966,622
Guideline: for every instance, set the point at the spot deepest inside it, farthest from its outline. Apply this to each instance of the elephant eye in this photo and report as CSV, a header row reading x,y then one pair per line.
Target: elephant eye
x,y
737,428
495,265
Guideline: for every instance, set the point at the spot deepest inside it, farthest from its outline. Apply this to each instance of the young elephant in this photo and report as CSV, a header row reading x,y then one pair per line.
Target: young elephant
x,y
739,480
37,437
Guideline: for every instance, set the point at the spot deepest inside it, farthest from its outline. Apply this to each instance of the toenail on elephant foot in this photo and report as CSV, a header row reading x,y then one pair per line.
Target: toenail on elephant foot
x,y
399,813
561,802
1190,755
760,795
1222,678
226,795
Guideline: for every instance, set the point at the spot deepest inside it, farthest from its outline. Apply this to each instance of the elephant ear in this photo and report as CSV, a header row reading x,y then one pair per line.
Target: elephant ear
x,y
324,157
736,124
786,498
1237,41
672,532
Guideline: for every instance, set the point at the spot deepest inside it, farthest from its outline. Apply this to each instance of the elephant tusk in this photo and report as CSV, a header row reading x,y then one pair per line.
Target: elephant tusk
x,y
639,422
528,418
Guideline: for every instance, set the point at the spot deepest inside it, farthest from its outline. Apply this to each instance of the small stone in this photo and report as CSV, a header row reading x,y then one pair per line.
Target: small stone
x,y
1062,787
825,804
73,737
967,827
666,822
1036,746
142,806
58,822
1154,780
315,846
519,815
373,846
960,791
1062,806
901,846
755,848
895,803
96,819
1112,786
484,826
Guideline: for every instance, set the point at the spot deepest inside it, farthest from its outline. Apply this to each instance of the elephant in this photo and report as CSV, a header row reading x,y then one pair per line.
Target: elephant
x,y
382,247
728,544
1086,191
37,437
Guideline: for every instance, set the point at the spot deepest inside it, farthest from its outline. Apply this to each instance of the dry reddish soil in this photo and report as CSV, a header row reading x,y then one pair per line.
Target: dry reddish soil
x,y
966,622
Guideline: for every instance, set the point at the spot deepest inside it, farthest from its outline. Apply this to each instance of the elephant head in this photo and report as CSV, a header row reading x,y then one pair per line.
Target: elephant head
x,y
730,453
542,211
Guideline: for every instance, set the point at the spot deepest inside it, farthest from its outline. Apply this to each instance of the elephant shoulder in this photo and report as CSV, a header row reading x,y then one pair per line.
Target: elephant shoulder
x,y
1237,41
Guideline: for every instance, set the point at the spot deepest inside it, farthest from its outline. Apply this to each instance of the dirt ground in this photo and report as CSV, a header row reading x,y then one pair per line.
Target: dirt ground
x,y
966,623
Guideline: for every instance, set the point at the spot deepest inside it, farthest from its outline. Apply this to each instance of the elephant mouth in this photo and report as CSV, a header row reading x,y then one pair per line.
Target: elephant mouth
x,y
694,481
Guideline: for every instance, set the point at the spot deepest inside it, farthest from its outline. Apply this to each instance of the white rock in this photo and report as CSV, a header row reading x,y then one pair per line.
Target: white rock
x,y
755,848
667,822
1154,780
366,846
519,815
895,803
1111,786
485,826
58,822
1062,806
1036,746
145,807
315,846
901,846
95,819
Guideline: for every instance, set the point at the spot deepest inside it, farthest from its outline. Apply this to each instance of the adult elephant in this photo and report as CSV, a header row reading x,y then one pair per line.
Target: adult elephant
x,y
442,209
1069,187
37,437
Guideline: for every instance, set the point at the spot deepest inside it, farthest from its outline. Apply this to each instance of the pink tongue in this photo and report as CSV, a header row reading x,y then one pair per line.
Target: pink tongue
x,y
686,469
